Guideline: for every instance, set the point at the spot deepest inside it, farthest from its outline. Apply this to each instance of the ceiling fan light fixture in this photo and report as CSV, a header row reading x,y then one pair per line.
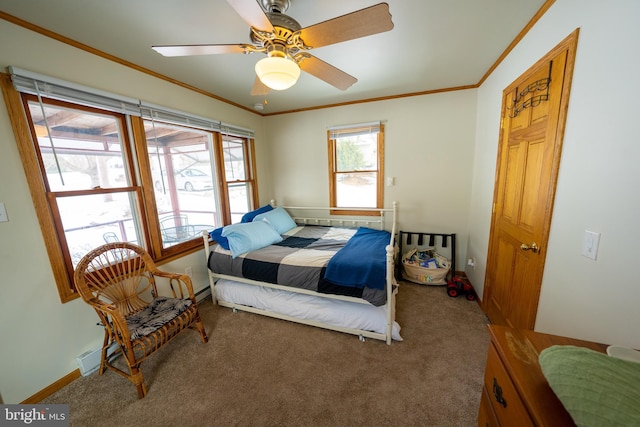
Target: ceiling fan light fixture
x,y
277,73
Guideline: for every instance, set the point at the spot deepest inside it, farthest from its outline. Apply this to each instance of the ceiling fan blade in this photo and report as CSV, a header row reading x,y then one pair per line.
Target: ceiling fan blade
x,y
251,12
259,88
365,22
200,49
327,72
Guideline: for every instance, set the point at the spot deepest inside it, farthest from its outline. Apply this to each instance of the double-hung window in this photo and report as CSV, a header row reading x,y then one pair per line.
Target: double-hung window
x,y
239,172
356,168
84,157
184,181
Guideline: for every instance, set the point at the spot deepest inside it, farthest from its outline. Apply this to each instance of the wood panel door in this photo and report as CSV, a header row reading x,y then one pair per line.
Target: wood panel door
x,y
532,126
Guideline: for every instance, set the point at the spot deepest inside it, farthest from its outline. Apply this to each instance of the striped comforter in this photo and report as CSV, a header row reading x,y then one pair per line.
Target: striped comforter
x,y
300,260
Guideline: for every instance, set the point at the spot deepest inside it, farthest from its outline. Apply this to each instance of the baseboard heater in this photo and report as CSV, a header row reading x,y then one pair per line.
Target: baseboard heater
x,y
203,294
89,361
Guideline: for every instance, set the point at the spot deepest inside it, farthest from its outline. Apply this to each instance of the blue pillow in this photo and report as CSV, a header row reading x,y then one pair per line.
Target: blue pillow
x,y
216,235
249,236
249,216
278,218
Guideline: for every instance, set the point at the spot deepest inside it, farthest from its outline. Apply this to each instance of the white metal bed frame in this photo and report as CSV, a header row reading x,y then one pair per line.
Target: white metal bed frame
x,y
369,221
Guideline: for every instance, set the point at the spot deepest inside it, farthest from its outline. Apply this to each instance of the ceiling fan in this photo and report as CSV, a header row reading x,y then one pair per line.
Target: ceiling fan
x,y
287,44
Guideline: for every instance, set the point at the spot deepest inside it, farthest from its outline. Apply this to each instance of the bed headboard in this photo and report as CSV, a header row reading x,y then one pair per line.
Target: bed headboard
x,y
379,218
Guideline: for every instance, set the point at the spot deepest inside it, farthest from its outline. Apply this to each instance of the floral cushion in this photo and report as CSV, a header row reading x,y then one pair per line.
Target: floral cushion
x,y
160,311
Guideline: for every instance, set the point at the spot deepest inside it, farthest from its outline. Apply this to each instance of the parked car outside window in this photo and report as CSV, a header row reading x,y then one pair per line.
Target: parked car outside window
x,y
189,180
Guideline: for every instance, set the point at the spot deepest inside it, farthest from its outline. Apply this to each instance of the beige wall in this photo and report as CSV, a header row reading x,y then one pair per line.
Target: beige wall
x,y
598,179
428,150
440,148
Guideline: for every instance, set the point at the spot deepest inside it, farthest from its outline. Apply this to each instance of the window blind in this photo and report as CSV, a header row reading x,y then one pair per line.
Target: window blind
x,y
232,130
50,87
344,131
162,114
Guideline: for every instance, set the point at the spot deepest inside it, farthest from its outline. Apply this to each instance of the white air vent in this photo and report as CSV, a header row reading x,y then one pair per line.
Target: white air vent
x,y
89,362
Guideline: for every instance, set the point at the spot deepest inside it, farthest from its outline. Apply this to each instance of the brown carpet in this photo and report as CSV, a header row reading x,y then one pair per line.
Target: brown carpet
x,y
258,371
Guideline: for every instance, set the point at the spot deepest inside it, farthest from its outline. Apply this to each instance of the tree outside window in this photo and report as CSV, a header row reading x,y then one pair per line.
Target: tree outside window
x,y
356,168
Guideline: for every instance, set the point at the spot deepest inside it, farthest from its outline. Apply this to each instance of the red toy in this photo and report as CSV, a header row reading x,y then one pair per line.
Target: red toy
x,y
459,286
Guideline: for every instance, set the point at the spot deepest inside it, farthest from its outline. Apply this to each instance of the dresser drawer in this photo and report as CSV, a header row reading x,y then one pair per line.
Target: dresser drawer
x,y
486,416
505,400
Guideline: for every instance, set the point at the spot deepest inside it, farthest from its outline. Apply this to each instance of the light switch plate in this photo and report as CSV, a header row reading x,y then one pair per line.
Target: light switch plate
x,y
590,244
3,213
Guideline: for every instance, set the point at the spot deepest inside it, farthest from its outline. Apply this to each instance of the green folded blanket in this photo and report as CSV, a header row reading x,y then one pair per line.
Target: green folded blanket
x,y
595,389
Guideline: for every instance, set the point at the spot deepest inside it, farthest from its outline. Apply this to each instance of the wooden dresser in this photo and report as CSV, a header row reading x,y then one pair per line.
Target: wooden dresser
x,y
515,391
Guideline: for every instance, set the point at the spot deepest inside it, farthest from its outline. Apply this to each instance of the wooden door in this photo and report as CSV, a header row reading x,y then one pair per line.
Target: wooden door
x,y
532,126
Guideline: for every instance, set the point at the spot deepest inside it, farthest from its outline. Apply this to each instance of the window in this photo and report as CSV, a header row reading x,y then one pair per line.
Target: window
x,y
102,170
184,182
356,168
239,171
84,155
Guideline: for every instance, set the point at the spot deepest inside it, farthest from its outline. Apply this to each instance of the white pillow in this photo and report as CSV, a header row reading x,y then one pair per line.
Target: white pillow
x,y
250,236
278,218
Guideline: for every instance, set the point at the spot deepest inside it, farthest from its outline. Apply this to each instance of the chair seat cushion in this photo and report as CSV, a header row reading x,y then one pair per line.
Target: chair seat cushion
x,y
161,311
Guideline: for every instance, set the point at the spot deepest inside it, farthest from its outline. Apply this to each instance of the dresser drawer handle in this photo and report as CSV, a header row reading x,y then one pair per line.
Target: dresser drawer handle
x,y
497,393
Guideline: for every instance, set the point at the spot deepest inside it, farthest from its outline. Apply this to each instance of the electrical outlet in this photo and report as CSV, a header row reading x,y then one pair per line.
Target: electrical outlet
x,y
189,271
471,262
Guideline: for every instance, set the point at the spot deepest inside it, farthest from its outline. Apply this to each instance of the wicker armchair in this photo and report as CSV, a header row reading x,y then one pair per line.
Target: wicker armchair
x,y
119,281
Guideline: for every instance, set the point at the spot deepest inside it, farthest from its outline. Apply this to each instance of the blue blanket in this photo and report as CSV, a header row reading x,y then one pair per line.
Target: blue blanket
x,y
362,261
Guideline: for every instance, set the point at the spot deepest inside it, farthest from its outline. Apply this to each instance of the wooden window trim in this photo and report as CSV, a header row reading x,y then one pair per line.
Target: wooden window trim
x,y
379,182
31,167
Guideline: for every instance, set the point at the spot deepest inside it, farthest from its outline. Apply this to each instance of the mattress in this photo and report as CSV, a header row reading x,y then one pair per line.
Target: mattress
x,y
333,312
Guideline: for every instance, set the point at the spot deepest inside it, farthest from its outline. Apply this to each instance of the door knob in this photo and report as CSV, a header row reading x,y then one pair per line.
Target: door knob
x,y
533,247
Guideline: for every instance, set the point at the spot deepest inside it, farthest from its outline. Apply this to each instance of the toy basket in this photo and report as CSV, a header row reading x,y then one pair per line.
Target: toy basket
x,y
425,267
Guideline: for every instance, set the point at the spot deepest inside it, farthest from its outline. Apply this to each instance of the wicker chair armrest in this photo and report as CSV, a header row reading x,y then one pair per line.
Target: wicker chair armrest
x,y
111,314
168,274
186,285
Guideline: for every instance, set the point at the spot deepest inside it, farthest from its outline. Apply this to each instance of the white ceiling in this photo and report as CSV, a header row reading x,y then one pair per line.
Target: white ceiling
x,y
435,44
